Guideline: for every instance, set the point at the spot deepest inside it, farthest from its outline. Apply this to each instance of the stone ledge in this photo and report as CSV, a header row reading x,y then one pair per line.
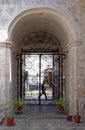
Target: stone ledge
x,y
72,44
7,44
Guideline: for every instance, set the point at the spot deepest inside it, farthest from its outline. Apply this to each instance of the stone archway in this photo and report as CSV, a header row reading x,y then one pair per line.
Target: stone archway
x,y
56,23
42,19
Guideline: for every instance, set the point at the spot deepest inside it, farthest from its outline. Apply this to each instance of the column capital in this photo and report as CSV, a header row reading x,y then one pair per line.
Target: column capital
x,y
7,45
73,43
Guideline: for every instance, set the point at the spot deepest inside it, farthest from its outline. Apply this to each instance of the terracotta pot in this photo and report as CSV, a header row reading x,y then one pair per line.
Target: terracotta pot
x,y
69,117
61,108
10,121
77,119
19,108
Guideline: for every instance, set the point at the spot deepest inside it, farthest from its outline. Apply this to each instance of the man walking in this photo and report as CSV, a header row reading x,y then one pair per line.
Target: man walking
x,y
43,91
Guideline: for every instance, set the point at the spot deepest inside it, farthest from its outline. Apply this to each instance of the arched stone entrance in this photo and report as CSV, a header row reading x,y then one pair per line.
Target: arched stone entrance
x,y
43,46
42,19
60,26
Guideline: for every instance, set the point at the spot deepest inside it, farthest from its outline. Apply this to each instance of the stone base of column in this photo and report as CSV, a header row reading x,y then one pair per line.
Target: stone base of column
x,y
2,117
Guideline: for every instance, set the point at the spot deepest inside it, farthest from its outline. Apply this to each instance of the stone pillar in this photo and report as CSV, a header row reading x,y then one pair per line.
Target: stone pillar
x,y
5,74
72,75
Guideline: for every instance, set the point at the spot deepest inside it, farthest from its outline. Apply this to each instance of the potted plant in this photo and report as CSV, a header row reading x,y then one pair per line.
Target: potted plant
x,y
69,116
61,104
10,116
19,103
77,117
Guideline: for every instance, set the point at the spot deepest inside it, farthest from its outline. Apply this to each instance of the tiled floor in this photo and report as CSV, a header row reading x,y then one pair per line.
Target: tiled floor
x,y
44,117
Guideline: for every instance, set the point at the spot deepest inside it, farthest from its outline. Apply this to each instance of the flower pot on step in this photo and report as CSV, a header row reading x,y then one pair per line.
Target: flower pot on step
x,y
77,119
19,108
69,117
10,121
61,108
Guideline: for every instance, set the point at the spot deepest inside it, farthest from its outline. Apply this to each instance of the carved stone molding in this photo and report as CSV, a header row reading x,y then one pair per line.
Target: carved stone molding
x,y
80,0
72,44
7,45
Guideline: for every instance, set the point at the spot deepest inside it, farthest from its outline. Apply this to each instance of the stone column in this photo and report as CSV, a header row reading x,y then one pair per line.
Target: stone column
x,y
72,75
5,74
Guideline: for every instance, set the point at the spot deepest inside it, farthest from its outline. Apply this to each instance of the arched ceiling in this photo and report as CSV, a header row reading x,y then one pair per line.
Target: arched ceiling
x,y
41,19
38,42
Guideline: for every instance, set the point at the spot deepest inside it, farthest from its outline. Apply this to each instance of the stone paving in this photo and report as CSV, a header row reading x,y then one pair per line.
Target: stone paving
x,y
44,117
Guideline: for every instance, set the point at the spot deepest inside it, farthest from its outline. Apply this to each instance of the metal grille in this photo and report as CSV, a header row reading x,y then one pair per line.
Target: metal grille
x,y
36,68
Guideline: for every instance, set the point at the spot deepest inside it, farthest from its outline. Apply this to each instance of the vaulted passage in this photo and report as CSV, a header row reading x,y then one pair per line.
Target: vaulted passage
x,y
40,57
40,60
41,32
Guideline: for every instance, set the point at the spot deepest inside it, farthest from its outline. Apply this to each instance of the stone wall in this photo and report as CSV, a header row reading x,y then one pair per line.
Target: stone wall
x,y
9,9
81,57
2,78
6,79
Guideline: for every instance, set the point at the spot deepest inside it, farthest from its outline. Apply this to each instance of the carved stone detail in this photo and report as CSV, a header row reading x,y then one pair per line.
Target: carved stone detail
x,y
73,43
7,44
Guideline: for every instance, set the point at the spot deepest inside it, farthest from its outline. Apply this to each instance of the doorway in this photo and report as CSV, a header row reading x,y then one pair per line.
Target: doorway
x,y
54,22
38,68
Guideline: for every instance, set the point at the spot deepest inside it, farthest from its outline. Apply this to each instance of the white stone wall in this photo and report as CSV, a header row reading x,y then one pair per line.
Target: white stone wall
x,y
81,57
2,78
6,79
9,9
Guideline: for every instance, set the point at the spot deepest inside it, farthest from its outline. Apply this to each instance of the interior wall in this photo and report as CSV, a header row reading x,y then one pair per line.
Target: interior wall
x,y
14,74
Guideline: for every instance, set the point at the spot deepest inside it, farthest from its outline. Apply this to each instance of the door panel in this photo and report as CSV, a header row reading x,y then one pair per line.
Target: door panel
x,y
32,83
46,73
39,69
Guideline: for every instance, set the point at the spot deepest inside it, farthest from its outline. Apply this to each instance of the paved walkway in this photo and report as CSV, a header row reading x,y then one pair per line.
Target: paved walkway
x,y
47,117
